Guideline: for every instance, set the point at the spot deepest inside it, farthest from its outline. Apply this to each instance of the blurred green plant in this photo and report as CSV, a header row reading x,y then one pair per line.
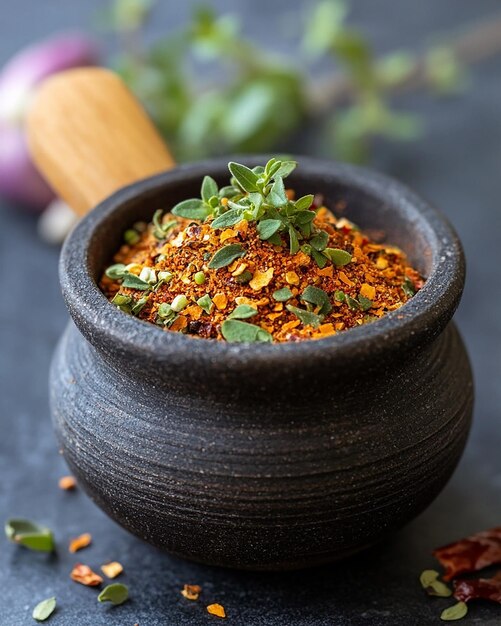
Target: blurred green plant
x,y
254,100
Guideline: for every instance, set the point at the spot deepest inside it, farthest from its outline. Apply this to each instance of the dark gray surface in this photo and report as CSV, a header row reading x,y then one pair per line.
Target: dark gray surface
x,y
458,166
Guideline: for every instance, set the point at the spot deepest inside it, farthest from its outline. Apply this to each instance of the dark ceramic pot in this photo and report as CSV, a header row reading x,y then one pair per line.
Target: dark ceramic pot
x,y
264,456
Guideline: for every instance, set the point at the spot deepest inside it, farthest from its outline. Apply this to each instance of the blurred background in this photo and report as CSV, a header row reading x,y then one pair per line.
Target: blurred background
x,y
409,88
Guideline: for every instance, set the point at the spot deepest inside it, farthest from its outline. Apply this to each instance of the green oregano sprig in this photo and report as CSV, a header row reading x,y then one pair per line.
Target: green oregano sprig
x,y
258,195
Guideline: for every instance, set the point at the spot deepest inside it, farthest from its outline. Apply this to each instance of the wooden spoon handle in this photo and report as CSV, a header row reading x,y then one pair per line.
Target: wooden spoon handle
x,y
89,136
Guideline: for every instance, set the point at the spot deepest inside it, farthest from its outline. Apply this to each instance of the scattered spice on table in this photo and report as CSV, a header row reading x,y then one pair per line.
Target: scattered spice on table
x,y
85,576
67,483
191,592
116,593
30,535
217,610
80,542
470,554
251,263
112,569
44,609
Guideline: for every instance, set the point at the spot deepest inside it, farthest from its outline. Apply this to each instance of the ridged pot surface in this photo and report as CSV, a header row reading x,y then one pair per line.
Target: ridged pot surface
x,y
274,456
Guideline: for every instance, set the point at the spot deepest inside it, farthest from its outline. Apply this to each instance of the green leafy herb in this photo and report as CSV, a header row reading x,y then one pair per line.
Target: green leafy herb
x,y
454,612
116,593
244,176
139,305
318,297
226,255
131,281
244,277
282,295
365,303
205,303
319,241
408,287
116,271
337,256
123,302
160,229
351,302
192,209
267,228
242,312
230,218
235,331
307,317
209,188
44,609
30,535
179,303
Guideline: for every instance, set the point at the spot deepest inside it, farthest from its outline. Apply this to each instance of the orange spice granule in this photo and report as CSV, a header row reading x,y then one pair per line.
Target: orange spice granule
x,y
217,610
85,576
112,569
67,483
80,542
377,280
191,592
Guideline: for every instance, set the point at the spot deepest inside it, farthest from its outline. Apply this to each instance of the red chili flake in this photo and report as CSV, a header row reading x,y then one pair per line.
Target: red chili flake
x,y
470,554
479,589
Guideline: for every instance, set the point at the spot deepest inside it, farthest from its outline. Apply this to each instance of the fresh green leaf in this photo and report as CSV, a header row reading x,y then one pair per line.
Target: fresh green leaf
x,y
235,331
319,241
267,228
293,240
318,297
275,239
30,535
320,259
277,197
365,303
44,609
192,209
205,303
286,168
139,305
224,256
454,612
244,176
209,188
131,281
307,317
304,202
337,256
229,192
116,271
282,295
408,287
230,218
116,593
242,312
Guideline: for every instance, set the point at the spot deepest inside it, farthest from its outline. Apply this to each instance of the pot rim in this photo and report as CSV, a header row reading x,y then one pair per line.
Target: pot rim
x,y
417,322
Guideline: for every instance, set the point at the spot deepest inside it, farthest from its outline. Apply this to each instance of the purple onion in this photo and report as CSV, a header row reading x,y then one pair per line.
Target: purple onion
x,y
19,179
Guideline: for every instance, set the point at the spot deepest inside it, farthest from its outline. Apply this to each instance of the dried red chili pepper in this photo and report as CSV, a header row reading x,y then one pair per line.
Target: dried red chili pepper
x,y
479,589
470,554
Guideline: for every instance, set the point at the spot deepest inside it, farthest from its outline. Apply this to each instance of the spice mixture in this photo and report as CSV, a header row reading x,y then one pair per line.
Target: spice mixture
x,y
250,262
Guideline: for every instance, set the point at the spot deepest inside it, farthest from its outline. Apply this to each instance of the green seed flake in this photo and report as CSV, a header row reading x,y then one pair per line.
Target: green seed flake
x,y
30,535
339,296
116,271
116,593
123,302
242,312
454,612
408,287
226,255
164,310
179,303
205,303
307,317
244,277
351,302
148,275
282,295
44,609
427,577
337,256
235,331
131,236
199,278
139,305
165,276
